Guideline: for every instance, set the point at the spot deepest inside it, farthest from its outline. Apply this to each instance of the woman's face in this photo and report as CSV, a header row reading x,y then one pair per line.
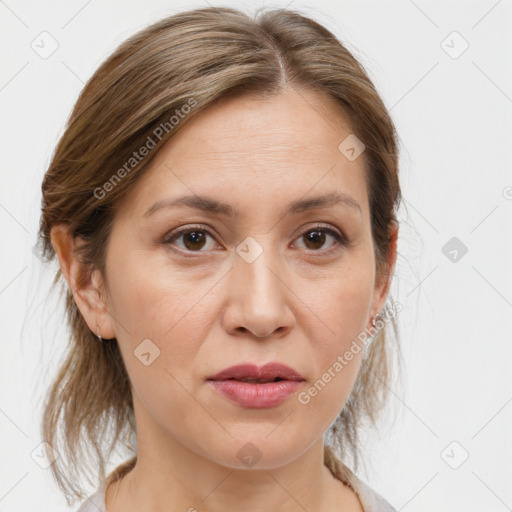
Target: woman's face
x,y
260,283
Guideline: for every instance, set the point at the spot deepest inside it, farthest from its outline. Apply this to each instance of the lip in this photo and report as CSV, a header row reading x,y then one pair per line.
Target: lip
x,y
253,394
268,371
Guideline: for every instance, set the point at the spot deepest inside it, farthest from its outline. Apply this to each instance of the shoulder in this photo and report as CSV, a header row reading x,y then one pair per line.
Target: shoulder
x,y
370,499
96,502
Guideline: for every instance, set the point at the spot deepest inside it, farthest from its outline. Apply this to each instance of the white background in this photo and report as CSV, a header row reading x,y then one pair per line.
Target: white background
x,y
454,118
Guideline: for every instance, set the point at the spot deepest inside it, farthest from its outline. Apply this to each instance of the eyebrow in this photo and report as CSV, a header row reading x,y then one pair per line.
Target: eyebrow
x,y
210,205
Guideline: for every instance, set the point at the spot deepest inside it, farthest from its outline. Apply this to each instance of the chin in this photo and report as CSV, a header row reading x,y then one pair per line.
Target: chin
x,y
259,453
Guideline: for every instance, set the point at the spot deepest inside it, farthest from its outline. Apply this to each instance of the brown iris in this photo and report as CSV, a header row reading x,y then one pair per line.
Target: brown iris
x,y
194,240
315,237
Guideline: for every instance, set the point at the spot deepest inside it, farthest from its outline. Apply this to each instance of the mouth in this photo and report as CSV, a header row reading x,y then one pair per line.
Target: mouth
x,y
256,381
251,386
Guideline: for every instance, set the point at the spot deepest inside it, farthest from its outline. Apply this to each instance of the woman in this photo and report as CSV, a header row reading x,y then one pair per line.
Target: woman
x,y
222,207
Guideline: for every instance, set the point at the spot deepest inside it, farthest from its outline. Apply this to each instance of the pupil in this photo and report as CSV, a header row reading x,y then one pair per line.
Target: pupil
x,y
197,237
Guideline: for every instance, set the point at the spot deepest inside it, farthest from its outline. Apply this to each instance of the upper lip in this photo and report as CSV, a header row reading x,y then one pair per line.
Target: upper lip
x,y
268,371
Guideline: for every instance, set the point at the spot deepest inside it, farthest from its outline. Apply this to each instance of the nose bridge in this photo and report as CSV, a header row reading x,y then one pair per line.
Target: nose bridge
x,y
256,267
258,301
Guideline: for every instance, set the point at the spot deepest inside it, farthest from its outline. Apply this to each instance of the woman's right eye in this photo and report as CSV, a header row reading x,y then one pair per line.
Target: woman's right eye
x,y
193,238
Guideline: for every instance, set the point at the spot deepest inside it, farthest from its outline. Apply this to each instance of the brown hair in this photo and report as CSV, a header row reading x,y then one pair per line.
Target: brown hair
x,y
193,58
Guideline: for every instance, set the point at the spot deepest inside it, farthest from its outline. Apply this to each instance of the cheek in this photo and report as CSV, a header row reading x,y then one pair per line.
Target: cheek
x,y
146,301
156,316
342,311
151,303
343,306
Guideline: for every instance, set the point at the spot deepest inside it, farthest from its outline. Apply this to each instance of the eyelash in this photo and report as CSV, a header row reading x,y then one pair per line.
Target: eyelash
x,y
341,241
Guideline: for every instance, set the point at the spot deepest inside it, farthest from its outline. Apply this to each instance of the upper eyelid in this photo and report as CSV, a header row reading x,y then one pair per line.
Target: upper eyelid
x,y
199,227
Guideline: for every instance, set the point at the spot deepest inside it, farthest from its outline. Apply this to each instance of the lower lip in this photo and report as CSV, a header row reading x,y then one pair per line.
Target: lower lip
x,y
247,394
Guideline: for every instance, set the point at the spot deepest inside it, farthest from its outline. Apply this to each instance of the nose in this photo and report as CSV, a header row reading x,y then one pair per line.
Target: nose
x,y
258,299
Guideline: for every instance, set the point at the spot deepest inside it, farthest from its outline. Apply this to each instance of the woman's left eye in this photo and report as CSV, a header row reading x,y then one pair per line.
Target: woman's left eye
x,y
195,238
316,237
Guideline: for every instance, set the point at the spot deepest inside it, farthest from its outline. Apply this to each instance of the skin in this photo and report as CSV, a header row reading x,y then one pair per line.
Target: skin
x,y
299,303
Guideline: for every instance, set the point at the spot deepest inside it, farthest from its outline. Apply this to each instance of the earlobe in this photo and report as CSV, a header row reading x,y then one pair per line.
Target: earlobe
x,y
84,284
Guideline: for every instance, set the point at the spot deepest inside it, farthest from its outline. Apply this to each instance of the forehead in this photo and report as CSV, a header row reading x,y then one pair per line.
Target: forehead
x,y
257,149
287,124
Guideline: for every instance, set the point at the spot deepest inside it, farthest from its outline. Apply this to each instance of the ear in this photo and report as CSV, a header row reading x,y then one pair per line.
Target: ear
x,y
383,281
87,287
